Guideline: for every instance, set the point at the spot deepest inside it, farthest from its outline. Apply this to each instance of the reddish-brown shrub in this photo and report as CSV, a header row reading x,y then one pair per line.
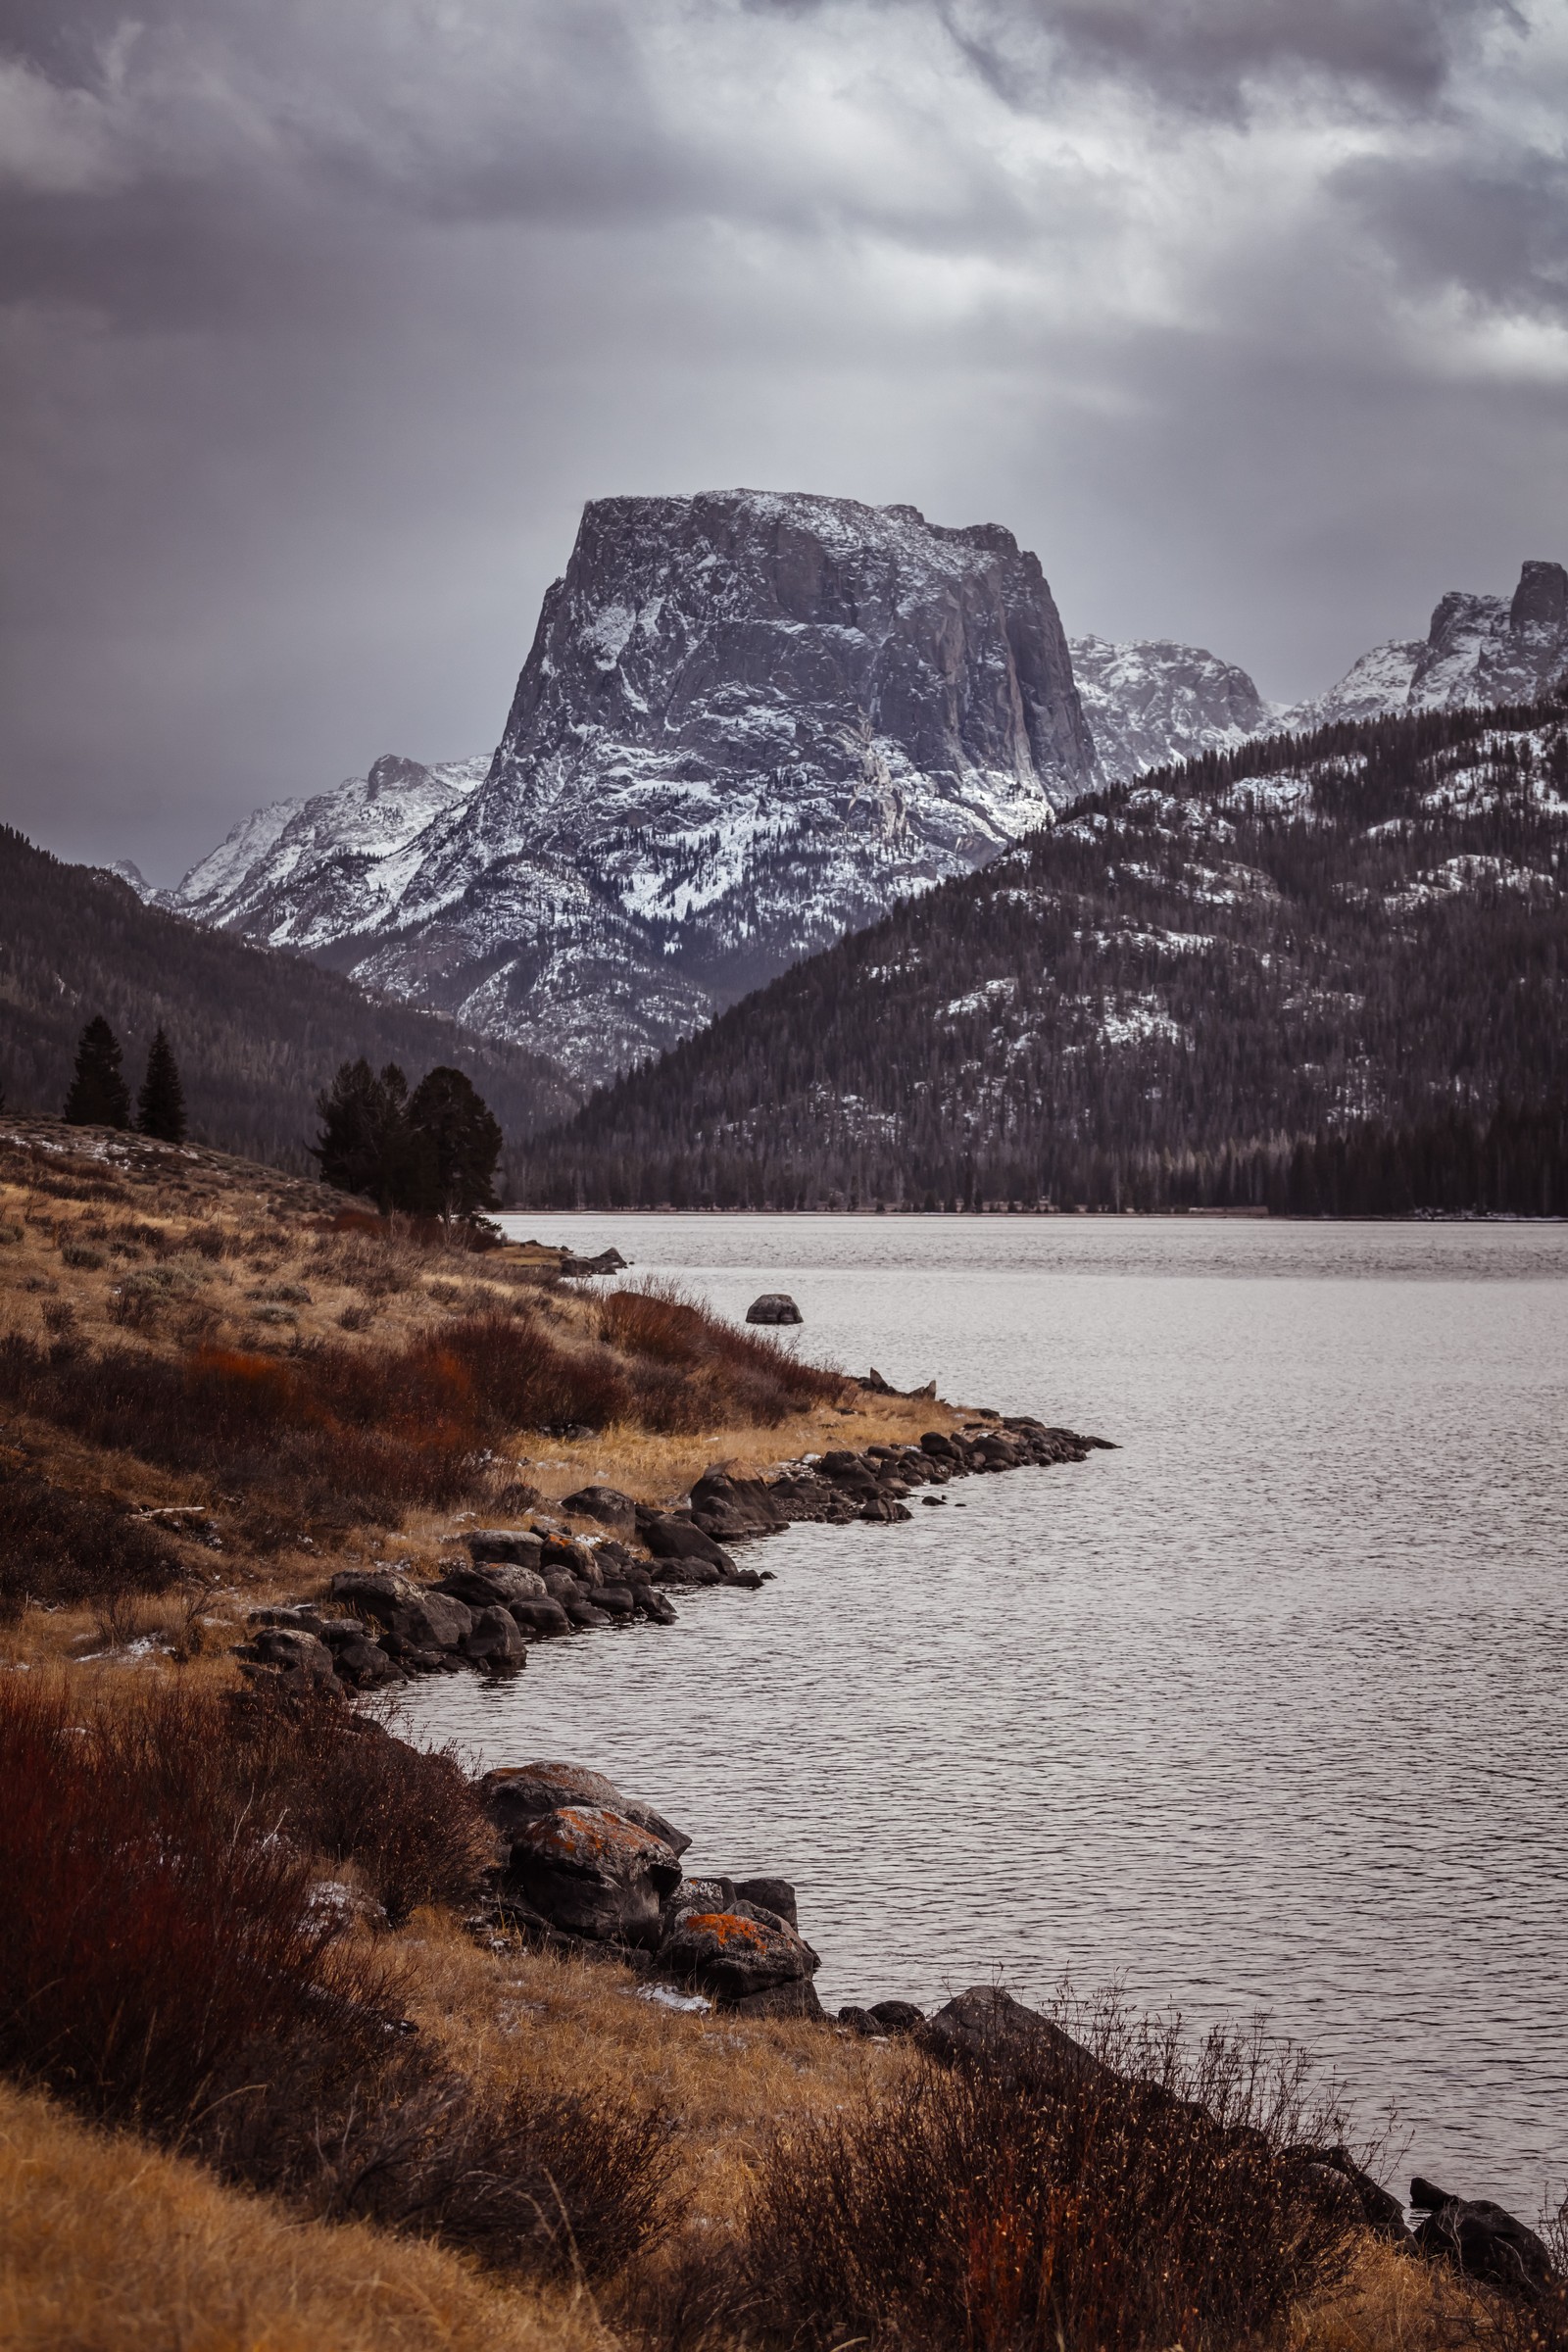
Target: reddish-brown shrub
x,y
1114,2209
61,1548
694,1370
150,1937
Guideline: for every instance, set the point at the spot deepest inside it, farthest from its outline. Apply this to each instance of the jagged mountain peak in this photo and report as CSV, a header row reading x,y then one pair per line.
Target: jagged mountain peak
x,y
1478,647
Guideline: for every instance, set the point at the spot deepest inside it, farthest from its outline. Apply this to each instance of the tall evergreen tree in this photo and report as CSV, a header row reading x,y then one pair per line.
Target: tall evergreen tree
x,y
98,1096
456,1144
364,1144
161,1104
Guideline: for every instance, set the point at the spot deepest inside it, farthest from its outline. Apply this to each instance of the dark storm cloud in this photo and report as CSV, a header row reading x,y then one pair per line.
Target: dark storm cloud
x,y
1206,51
1498,235
319,319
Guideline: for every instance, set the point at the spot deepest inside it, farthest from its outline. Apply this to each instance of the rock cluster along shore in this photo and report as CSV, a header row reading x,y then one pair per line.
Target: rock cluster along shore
x,y
585,1870
516,1586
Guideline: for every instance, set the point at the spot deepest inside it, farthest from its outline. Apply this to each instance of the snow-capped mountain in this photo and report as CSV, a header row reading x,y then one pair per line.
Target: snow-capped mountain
x,y
1478,649
748,723
1155,702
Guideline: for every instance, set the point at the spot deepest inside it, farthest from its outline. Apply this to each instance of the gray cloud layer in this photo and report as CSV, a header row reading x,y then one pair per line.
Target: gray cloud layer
x,y
319,318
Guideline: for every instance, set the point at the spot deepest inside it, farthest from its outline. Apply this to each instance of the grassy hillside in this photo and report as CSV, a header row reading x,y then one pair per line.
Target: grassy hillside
x,y
1305,973
256,1033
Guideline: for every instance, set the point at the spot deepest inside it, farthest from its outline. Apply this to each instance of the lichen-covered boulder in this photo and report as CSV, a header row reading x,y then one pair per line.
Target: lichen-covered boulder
x,y
590,1871
514,1794
734,1958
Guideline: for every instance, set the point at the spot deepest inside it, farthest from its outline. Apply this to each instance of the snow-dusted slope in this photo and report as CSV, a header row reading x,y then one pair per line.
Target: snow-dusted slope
x,y
1151,703
748,723
308,873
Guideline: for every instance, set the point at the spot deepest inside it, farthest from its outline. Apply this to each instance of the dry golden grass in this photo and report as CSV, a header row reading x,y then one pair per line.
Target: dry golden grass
x,y
1389,2301
108,2246
567,2023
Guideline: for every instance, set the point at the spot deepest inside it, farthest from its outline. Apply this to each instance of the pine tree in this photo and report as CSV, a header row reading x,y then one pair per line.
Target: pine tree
x,y
99,1096
364,1144
457,1140
161,1104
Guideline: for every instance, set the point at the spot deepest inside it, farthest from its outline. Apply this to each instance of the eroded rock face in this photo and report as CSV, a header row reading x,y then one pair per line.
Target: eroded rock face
x,y
1477,648
1154,701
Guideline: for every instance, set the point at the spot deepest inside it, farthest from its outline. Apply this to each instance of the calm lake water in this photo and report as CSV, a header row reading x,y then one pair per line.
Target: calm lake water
x,y
1266,1711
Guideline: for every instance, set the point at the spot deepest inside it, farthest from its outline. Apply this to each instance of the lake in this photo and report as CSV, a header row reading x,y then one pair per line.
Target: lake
x,y
1267,1710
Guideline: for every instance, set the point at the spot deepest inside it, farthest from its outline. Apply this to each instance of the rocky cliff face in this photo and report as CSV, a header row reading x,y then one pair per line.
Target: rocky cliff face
x,y
1478,649
747,723
1155,702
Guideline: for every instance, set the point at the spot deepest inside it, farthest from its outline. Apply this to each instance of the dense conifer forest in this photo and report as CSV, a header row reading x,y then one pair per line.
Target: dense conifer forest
x,y
256,1034
1323,975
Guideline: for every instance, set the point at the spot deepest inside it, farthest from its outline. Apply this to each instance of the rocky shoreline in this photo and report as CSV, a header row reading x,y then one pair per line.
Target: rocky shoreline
x,y
620,1561
589,1873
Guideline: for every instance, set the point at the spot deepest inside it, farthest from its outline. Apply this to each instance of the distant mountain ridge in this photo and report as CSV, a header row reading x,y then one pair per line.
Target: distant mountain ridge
x,y
255,1033
749,724
1222,962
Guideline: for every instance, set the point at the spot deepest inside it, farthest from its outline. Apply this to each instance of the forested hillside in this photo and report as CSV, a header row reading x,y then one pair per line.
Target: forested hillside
x,y
254,1032
1320,972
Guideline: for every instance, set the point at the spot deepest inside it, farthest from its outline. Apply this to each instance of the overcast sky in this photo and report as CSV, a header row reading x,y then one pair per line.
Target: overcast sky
x,y
322,317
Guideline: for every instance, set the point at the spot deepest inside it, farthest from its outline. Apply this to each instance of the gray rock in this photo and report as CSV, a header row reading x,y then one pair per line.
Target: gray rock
x,y
893,699
519,1546
986,2026
358,1660
286,1649
541,1618
730,1509
773,1895
1154,701
606,1505
494,1641
671,1538
654,1824
1483,2239
418,1614
774,1306
653,1607
514,1794
493,1585
898,2017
